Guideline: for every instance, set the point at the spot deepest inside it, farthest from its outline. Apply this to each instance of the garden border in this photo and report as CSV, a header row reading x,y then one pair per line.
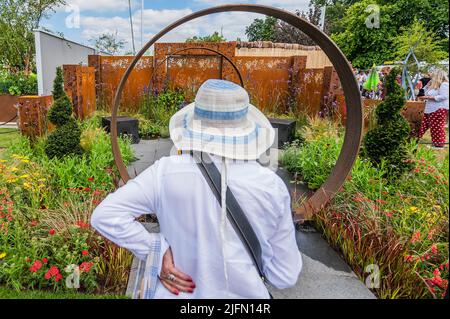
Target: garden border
x,y
353,132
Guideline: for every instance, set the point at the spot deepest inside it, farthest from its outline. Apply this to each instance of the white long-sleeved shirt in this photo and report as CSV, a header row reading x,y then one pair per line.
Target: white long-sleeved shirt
x,y
189,218
440,100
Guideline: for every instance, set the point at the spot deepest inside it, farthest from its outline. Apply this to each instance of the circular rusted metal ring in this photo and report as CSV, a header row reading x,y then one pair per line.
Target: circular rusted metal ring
x,y
353,132
196,48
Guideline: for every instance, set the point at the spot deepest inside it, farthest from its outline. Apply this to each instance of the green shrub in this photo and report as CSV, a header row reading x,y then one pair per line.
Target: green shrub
x,y
18,84
389,139
65,140
58,84
61,111
313,160
160,108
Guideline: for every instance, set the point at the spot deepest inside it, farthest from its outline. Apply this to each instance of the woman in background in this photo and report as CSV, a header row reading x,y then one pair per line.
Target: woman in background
x,y
436,108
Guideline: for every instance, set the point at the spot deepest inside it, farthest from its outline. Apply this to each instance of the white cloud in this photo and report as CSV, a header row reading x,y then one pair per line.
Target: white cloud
x,y
101,5
231,24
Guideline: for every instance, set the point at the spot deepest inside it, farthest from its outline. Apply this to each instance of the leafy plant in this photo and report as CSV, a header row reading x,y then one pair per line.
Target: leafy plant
x,y
18,84
389,139
155,112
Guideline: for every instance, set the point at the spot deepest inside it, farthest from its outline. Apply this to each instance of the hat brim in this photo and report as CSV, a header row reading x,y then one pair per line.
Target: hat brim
x,y
248,143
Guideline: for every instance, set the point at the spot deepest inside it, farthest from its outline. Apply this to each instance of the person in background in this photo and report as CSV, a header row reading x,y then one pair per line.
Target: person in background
x,y
436,108
422,83
361,78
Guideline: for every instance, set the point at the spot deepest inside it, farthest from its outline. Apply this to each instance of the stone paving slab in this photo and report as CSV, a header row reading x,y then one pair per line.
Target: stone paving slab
x,y
325,275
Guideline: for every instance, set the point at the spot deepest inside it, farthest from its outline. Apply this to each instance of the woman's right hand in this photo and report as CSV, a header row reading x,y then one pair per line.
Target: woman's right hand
x,y
174,279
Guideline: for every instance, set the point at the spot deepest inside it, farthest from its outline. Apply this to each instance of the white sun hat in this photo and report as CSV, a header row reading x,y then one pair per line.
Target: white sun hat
x,y
222,122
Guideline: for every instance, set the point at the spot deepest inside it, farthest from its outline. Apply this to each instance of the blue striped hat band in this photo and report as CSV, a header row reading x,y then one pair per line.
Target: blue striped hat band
x,y
220,115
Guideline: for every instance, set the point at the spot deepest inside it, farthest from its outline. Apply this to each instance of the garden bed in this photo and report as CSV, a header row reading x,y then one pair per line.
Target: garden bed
x,y
45,209
399,228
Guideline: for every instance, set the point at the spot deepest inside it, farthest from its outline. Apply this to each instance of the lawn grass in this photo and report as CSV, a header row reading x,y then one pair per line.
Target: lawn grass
x,y
7,138
6,293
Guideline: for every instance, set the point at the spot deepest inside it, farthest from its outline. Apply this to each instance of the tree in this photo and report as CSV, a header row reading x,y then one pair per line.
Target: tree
x,y
286,33
215,37
108,42
18,19
262,30
429,48
387,142
365,45
65,140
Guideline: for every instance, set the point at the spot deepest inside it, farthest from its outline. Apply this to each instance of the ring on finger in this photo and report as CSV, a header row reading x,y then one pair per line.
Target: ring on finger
x,y
170,277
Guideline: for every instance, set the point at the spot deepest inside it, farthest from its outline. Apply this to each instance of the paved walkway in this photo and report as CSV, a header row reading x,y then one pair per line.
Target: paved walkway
x,y
324,274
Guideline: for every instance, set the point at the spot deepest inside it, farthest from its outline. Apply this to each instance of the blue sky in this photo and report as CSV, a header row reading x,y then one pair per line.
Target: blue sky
x,y
111,16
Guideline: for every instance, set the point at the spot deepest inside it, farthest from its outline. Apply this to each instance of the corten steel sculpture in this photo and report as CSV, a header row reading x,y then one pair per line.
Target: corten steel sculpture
x,y
196,48
353,133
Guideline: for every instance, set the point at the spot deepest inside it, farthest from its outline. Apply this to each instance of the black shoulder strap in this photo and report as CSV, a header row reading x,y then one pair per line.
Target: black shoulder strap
x,y
234,212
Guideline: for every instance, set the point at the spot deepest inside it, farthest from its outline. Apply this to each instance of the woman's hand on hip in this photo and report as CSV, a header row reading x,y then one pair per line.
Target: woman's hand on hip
x,y
174,279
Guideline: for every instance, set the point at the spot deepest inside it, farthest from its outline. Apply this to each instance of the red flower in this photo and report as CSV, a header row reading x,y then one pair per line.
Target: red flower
x,y
36,266
28,259
52,272
409,258
415,237
84,252
97,192
86,266
95,202
87,189
44,260
51,231
436,273
82,224
33,223
90,179
58,277
434,249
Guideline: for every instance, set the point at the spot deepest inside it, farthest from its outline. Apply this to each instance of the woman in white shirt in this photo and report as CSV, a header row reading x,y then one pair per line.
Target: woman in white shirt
x,y
436,108
193,223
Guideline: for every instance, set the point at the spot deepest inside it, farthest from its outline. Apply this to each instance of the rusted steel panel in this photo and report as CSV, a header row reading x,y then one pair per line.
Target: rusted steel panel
x,y
413,113
108,72
8,109
79,84
309,91
32,115
188,72
222,70
267,80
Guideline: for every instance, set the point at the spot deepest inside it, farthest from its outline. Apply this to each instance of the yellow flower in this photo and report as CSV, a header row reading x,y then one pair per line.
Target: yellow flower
x,y
27,185
41,179
14,169
24,176
25,161
3,161
2,255
413,209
